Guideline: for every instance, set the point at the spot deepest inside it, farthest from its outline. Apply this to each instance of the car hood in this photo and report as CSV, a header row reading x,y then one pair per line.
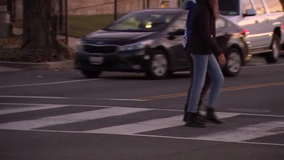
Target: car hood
x,y
117,38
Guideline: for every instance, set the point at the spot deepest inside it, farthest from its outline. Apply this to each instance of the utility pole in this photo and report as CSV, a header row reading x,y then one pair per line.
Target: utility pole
x,y
66,22
115,9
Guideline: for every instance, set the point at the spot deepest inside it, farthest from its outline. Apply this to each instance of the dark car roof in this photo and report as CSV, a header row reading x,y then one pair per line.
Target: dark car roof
x,y
168,10
161,10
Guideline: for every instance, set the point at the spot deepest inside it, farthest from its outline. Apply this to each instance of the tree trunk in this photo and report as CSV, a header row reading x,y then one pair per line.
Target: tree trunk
x,y
40,42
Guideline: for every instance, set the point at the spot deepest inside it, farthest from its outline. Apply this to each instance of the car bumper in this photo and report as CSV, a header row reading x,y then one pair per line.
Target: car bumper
x,y
131,61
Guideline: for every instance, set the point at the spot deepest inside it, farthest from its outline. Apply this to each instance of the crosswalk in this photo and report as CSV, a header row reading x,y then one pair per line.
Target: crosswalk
x,y
145,122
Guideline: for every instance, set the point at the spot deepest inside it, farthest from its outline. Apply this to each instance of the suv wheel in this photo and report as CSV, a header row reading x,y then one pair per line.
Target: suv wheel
x,y
158,68
234,62
272,57
91,74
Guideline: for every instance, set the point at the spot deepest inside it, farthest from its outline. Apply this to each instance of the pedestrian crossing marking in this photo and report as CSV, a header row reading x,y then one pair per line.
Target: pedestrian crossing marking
x,y
138,127
27,109
150,125
247,132
70,118
238,135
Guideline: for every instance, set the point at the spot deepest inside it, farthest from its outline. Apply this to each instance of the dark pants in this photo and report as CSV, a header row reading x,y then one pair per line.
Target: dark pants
x,y
207,83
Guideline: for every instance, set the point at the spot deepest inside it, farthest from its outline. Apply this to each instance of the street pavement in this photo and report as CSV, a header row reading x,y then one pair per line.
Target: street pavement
x,y
60,115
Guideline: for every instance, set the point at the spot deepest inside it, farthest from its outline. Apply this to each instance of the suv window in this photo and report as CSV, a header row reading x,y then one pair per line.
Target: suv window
x,y
178,24
259,7
246,4
229,7
275,5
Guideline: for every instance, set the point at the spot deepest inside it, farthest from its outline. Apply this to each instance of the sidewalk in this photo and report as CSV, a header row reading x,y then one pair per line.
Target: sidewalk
x,y
8,69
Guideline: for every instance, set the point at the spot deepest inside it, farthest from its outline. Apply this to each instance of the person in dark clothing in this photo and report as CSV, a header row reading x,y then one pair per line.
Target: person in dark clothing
x,y
189,5
202,46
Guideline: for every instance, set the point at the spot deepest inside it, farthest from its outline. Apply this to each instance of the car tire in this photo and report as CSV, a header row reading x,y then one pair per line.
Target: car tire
x,y
158,66
234,62
273,56
91,74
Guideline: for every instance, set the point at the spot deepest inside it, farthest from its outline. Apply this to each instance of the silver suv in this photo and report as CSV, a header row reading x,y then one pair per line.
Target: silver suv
x,y
262,21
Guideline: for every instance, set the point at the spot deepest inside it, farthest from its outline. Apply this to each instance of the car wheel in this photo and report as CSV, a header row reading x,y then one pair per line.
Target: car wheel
x,y
273,56
159,66
91,74
234,62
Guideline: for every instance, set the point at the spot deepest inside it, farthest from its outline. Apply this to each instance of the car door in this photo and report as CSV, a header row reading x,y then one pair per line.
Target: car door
x,y
261,26
248,23
275,16
176,49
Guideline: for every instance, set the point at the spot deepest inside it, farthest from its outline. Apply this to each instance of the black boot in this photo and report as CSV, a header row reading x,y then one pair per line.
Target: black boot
x,y
198,111
211,116
193,120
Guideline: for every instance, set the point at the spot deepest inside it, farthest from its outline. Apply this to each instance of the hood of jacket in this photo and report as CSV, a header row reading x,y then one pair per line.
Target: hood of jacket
x,y
190,5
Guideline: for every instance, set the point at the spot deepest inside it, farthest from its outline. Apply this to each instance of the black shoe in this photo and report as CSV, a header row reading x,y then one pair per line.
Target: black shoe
x,y
199,115
193,120
211,116
198,111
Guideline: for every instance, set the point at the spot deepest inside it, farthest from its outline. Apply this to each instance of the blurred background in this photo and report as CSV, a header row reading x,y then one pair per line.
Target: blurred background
x,y
85,16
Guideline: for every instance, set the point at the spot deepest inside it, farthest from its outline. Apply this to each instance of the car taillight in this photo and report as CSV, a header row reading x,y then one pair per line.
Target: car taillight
x,y
245,32
282,26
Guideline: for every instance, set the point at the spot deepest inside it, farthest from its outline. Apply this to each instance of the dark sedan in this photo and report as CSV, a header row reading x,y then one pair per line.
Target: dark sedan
x,y
150,41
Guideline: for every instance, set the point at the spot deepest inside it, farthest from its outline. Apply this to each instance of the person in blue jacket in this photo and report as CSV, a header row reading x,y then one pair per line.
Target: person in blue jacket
x,y
189,5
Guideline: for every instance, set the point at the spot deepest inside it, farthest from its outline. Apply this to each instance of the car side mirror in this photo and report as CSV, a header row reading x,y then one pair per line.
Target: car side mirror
x,y
250,12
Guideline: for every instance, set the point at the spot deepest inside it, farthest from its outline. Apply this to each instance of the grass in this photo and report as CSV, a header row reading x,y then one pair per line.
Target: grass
x,y
81,25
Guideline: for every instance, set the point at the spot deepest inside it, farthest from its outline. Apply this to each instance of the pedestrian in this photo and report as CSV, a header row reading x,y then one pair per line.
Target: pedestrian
x,y
202,46
189,5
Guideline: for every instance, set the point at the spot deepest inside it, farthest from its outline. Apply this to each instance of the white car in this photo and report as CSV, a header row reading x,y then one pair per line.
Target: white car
x,y
263,21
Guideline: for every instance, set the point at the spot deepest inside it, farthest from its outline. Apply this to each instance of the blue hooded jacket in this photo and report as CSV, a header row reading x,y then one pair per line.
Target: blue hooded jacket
x,y
189,6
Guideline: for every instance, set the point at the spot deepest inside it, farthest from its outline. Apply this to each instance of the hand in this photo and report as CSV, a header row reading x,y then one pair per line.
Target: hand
x,y
222,59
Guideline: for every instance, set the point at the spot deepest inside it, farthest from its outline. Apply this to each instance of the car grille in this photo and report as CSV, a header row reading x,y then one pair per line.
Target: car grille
x,y
100,49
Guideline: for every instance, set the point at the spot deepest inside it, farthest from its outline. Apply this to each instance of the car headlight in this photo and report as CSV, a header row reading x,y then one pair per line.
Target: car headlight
x,y
79,45
136,46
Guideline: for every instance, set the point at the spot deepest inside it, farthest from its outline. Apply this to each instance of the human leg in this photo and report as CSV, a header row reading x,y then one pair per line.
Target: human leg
x,y
216,85
200,63
204,91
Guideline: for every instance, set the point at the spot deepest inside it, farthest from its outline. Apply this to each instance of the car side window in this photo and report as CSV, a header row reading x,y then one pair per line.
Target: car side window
x,y
246,4
220,23
259,7
179,24
275,5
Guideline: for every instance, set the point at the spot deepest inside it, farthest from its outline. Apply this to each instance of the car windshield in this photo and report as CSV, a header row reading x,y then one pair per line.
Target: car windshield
x,y
142,22
229,7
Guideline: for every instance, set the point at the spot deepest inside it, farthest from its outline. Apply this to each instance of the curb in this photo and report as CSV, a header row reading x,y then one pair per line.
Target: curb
x,y
68,64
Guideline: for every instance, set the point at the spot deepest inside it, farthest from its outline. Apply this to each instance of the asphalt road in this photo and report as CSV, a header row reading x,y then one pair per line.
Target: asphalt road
x,y
60,115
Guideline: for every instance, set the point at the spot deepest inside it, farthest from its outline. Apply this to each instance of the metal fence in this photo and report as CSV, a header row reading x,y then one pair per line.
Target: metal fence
x,y
85,16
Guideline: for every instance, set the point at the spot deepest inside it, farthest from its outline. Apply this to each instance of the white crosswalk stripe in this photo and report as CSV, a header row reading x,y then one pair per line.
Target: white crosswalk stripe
x,y
29,108
69,118
150,125
139,127
247,132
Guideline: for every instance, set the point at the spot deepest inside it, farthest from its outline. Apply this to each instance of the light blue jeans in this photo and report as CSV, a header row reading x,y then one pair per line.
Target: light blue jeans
x,y
202,63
